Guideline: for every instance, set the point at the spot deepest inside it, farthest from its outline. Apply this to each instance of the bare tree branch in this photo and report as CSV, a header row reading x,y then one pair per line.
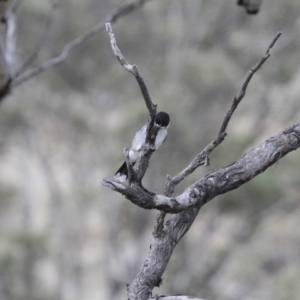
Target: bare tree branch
x,y
161,249
148,200
242,93
165,237
217,182
121,11
133,69
42,39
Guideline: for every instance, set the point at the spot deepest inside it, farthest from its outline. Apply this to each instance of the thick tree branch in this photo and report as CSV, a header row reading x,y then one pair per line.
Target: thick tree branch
x,y
249,166
161,249
121,11
148,200
217,182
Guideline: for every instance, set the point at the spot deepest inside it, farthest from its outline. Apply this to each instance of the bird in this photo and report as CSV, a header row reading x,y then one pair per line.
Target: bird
x,y
162,121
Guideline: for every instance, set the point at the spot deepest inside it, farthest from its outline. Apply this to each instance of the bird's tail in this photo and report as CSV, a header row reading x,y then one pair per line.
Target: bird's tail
x,y
122,174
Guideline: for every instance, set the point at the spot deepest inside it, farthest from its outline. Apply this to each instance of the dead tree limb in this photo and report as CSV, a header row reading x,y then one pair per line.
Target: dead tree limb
x,y
10,75
186,206
121,11
9,78
133,69
216,182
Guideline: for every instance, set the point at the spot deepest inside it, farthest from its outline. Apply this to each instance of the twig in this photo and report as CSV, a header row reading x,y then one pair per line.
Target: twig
x,y
242,93
133,69
203,157
121,11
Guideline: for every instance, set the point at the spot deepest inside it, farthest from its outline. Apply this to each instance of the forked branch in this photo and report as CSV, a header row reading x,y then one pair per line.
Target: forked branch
x,y
206,188
121,11
217,182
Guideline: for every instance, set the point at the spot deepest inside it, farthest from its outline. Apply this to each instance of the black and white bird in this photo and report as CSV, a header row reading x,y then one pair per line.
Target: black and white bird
x,y
162,120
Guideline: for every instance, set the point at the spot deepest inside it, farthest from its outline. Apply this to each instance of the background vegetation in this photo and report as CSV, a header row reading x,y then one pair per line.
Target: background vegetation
x,y
64,236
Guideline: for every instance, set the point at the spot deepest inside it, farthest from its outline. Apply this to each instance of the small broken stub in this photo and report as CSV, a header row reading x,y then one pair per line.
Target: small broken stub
x,y
251,6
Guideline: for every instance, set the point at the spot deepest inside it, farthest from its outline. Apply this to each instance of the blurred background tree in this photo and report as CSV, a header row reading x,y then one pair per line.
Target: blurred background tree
x,y
63,235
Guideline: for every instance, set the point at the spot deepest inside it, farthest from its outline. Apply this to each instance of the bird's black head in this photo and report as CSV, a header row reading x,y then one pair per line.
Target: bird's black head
x,y
162,119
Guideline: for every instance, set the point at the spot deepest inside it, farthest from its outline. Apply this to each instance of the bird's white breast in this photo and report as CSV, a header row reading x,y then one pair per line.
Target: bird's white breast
x,y
161,136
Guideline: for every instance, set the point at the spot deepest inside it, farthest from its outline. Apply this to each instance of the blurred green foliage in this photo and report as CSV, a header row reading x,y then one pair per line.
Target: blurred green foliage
x,y
63,235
